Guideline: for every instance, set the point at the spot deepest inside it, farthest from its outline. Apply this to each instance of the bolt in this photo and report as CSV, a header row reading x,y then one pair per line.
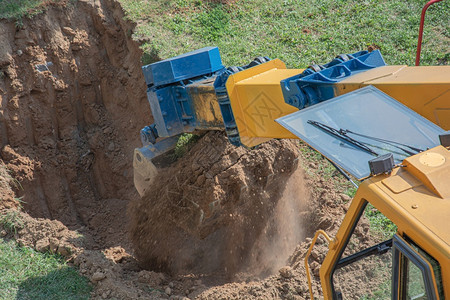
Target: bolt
x,y
144,136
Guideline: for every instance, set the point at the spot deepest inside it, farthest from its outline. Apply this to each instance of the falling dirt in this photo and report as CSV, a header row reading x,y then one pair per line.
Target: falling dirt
x,y
284,229
208,211
221,222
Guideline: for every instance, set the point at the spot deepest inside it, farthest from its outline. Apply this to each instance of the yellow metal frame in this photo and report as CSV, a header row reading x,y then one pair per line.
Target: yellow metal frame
x,y
425,89
331,245
413,199
257,100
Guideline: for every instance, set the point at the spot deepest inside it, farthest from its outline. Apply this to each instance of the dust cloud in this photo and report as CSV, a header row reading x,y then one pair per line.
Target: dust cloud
x,y
284,231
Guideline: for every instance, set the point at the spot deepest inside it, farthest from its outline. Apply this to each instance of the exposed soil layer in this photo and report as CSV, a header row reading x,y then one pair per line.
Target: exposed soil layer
x,y
7,195
72,103
206,212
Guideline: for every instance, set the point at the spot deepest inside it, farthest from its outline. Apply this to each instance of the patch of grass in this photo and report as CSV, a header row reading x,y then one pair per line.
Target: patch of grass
x,y
316,165
210,25
351,191
296,31
5,173
17,9
379,223
318,161
11,221
185,142
27,274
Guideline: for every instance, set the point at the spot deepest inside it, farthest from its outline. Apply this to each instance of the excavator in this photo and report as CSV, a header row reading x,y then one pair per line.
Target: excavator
x,y
385,125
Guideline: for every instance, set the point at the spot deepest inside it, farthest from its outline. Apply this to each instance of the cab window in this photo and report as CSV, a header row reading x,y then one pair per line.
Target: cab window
x,y
414,278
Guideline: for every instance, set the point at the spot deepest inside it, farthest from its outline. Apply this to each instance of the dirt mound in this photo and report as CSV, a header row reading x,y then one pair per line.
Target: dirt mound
x,y
206,212
72,103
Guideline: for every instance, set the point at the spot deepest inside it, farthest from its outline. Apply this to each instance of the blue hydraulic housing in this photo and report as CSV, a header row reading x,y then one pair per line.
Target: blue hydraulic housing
x,y
170,102
224,101
316,83
225,105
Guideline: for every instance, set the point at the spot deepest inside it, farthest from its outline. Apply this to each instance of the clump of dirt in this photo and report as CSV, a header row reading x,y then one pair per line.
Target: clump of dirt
x,y
206,212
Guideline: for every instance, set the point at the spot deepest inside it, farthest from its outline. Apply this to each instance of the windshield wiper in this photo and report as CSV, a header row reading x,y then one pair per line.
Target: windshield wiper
x,y
341,135
388,142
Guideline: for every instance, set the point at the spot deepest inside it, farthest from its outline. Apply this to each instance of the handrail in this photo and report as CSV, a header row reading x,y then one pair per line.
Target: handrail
x,y
313,242
422,21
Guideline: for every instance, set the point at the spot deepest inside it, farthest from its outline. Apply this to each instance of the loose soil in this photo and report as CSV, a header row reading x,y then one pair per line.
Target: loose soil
x,y
205,213
220,222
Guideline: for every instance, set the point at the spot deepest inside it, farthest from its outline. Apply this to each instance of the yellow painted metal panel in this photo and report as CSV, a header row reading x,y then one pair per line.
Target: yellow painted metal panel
x,y
372,74
205,104
432,168
418,211
428,100
257,100
425,90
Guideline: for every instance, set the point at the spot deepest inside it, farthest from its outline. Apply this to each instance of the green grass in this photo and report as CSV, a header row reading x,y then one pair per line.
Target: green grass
x,y
11,221
298,32
27,274
184,143
17,9
380,224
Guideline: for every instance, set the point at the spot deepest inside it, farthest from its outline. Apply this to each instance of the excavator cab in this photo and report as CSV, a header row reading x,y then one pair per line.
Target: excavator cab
x,y
405,175
395,268
412,263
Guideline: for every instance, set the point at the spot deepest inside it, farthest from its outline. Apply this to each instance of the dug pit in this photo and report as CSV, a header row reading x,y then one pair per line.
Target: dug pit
x,y
72,103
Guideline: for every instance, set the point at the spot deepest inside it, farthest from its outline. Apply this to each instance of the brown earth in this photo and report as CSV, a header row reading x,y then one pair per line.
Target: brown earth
x,y
68,131
72,101
8,197
206,213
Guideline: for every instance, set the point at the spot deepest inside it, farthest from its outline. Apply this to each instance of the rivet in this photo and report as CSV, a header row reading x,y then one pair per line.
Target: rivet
x,y
414,206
